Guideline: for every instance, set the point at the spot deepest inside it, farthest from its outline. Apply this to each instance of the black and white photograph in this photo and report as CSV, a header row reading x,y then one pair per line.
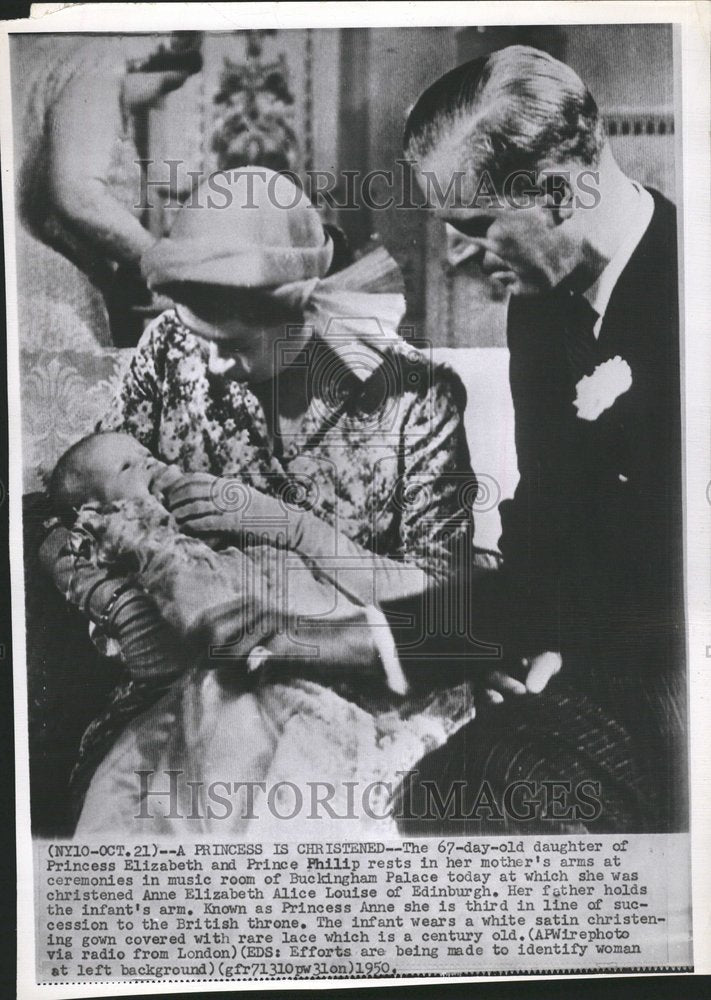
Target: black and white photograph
x,y
350,437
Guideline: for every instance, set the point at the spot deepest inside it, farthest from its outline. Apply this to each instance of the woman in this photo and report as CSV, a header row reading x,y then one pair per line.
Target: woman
x,y
80,232
77,200
345,444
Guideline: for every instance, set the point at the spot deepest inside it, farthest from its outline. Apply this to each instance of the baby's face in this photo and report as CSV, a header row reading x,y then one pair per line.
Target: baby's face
x,y
119,468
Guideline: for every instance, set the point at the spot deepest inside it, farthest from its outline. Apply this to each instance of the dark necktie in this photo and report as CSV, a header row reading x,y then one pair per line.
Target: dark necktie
x,y
580,343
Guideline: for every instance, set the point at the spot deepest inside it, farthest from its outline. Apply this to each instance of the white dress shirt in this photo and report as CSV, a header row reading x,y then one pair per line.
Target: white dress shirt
x,y
599,293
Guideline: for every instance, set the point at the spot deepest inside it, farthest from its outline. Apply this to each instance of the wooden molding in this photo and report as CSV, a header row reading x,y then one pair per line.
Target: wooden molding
x,y
633,122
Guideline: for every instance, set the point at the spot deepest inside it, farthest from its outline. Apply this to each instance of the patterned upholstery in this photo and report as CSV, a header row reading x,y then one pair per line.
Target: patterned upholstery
x,y
64,393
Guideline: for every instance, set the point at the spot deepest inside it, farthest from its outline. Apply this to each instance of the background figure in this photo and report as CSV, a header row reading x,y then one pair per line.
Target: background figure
x,y
78,181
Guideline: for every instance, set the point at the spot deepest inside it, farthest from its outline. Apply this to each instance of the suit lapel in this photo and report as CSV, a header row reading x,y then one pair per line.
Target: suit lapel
x,y
640,325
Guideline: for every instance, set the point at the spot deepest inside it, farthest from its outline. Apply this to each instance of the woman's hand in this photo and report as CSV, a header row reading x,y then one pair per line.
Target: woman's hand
x,y
144,90
206,505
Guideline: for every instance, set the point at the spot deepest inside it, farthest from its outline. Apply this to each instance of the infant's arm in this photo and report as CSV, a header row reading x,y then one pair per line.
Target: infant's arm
x,y
115,604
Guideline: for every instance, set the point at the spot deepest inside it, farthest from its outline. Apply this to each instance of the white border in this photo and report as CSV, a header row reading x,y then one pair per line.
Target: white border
x,y
694,33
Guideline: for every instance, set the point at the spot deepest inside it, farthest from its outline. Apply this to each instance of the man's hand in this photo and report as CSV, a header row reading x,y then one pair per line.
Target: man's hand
x,y
537,671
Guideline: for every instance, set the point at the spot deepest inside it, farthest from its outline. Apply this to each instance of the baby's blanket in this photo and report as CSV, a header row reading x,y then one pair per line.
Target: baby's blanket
x,y
272,759
281,761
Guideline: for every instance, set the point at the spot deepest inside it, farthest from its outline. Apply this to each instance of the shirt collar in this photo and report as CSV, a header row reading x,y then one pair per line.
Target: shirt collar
x,y
599,293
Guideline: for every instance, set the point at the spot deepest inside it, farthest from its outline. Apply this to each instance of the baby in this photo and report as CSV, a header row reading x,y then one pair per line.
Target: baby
x,y
114,491
116,487
104,468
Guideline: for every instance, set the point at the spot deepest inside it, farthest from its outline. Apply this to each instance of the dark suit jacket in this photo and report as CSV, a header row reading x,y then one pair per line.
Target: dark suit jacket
x,y
592,546
592,540
593,534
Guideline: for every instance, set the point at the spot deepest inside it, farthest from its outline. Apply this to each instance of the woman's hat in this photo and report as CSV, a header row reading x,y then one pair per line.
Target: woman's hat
x,y
248,228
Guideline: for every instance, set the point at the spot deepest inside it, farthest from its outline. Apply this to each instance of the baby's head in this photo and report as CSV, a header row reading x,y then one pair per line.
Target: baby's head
x,y
102,468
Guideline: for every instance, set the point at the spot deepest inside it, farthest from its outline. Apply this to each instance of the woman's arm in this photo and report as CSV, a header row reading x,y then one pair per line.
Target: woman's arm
x,y
422,584
79,170
97,105
343,642
226,603
433,495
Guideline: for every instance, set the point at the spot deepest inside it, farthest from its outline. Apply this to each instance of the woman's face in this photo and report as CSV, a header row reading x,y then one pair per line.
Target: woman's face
x,y
246,329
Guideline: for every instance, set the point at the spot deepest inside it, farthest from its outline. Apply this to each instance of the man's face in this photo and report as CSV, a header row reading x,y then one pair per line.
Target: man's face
x,y
526,250
525,243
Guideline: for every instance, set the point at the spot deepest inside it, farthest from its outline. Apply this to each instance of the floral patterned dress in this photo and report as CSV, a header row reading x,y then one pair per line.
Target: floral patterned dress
x,y
384,460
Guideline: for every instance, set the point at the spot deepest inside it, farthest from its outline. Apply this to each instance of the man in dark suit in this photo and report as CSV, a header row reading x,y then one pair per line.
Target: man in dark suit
x,y
511,152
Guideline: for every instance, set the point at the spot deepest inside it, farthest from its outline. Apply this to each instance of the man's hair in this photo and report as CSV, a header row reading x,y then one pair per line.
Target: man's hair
x,y
514,110
66,481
